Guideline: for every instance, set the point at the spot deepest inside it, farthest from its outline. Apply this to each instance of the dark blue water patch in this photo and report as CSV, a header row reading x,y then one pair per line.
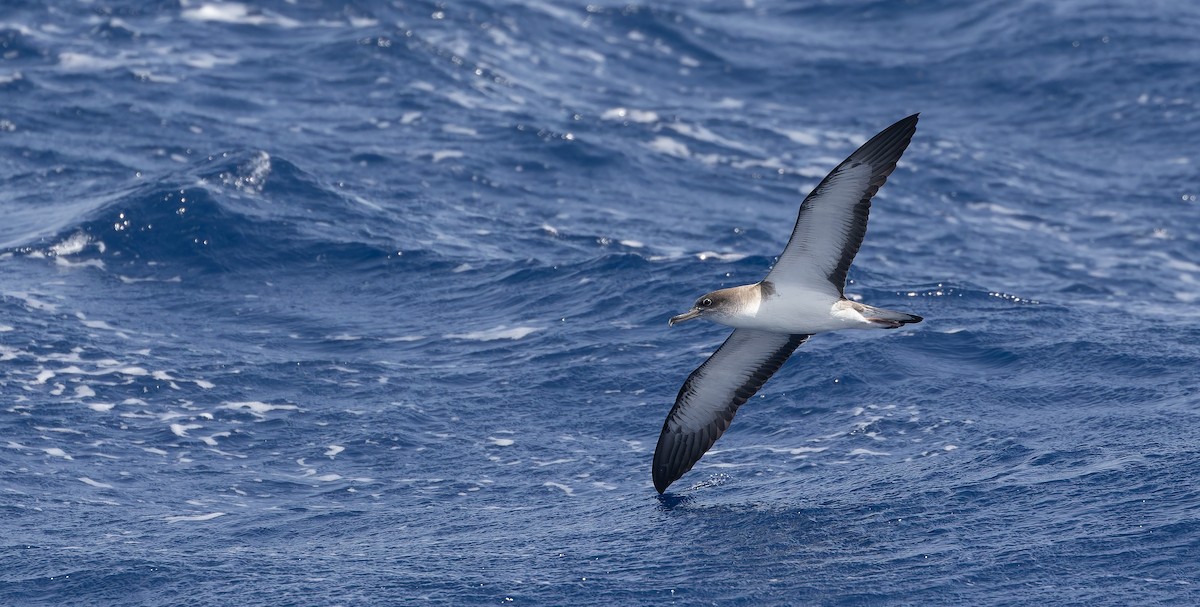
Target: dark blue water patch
x,y
204,229
20,53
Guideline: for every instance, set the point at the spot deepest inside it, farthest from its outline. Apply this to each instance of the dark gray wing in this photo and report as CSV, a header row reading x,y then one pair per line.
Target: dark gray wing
x,y
833,219
713,393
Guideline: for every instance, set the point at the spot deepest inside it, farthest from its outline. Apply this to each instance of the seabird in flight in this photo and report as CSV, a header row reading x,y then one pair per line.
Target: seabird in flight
x,y
801,296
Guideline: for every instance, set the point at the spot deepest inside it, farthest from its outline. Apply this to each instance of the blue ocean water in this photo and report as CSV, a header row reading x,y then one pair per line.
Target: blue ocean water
x,y
351,303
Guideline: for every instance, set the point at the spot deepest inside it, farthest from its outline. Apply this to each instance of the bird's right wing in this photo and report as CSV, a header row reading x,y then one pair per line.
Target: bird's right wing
x,y
712,394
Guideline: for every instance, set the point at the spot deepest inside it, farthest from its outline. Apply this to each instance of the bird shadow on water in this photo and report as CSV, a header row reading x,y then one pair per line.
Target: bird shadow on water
x,y
668,501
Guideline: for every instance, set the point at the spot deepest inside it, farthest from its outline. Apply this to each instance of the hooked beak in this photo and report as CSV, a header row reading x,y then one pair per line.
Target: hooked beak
x,y
690,314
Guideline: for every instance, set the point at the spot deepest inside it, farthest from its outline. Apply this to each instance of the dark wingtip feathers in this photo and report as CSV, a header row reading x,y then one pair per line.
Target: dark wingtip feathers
x,y
883,150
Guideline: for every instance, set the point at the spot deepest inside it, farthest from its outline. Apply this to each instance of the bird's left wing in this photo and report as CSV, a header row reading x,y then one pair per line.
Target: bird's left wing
x,y
833,219
712,394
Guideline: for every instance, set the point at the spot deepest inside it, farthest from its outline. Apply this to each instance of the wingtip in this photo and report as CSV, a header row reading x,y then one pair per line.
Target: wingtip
x,y
908,122
662,473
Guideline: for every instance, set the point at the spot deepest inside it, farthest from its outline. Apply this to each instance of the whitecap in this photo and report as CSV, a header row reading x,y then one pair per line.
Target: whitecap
x,y
707,255
669,146
801,137
639,116
455,129
559,486
257,407
867,452
72,244
98,324
31,302
187,518
701,133
500,332
97,484
83,62
56,452
233,12
181,430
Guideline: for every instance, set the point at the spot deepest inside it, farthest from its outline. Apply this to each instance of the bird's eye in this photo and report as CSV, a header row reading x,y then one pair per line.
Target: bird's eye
x,y
706,302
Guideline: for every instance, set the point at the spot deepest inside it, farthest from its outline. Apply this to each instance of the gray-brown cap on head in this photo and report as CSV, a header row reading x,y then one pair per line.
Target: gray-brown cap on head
x,y
725,302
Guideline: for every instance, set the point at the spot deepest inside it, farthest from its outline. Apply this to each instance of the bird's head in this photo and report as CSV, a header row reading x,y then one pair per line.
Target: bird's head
x,y
716,305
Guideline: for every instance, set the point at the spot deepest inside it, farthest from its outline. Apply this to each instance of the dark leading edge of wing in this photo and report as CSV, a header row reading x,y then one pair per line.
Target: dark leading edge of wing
x,y
713,393
833,218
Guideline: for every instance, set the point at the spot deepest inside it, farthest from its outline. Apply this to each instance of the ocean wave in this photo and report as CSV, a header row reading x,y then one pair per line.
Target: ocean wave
x,y
236,211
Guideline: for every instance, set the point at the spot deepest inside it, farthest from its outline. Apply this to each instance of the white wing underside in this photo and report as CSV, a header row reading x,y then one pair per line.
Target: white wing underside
x,y
832,220
712,394
825,232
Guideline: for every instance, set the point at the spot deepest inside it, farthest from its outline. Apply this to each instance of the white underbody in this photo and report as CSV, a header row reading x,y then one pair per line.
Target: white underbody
x,y
799,311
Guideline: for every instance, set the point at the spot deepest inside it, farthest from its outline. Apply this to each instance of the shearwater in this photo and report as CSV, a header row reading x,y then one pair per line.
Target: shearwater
x,y
802,295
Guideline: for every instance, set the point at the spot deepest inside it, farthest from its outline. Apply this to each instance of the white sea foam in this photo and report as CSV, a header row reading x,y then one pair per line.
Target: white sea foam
x,y
700,133
207,61
500,332
257,408
80,62
97,484
669,146
190,518
404,338
56,452
129,280
181,430
234,12
455,129
98,324
866,452
553,462
71,245
212,440
802,137
628,115
32,302
707,255
561,487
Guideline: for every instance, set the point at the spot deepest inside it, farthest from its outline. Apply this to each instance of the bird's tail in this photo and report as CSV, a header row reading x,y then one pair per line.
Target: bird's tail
x,y
888,319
